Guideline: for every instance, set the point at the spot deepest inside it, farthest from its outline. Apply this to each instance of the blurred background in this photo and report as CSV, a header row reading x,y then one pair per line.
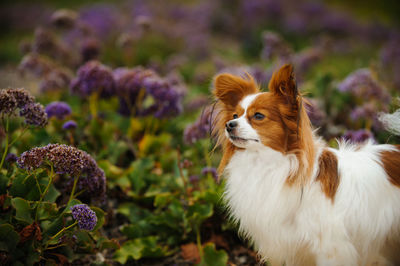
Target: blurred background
x,y
137,77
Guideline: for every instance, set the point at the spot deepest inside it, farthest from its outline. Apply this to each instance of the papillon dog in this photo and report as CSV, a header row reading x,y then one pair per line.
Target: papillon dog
x,y
298,200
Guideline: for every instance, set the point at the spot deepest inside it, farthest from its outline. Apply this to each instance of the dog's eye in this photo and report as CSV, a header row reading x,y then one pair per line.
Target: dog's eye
x,y
235,116
258,116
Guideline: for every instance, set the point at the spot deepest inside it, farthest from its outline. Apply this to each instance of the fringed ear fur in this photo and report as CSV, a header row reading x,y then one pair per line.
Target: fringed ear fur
x,y
283,83
231,89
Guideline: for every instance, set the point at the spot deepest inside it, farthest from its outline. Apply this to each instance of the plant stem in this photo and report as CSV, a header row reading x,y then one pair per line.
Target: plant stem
x,y
73,190
6,145
59,232
20,135
42,195
198,240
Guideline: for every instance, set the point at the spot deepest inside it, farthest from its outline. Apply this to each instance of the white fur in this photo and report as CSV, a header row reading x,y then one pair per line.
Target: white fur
x,y
303,226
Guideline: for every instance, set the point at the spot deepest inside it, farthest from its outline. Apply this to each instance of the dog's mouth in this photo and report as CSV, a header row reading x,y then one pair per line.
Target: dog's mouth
x,y
239,139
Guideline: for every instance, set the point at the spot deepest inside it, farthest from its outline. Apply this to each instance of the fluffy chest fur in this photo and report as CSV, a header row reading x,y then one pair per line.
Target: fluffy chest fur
x,y
298,225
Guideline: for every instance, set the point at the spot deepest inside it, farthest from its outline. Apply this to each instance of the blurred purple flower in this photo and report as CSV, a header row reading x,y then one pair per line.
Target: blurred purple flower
x,y
90,49
315,113
64,18
135,85
390,60
274,47
58,109
93,77
102,19
361,83
11,158
210,170
366,111
358,136
70,124
194,179
56,79
199,129
85,216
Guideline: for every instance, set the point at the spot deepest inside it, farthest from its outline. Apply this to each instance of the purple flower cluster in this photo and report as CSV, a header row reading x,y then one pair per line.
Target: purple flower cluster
x,y
58,109
67,160
70,124
274,47
390,61
85,216
358,136
93,77
11,99
361,83
199,129
143,92
315,113
52,76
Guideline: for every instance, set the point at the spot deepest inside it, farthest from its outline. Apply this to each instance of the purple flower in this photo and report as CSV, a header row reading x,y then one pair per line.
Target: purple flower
x,y
93,77
135,85
11,158
102,19
366,111
315,113
85,216
199,129
68,160
70,124
362,84
34,114
358,136
390,61
58,109
210,170
8,103
90,49
56,79
64,18
35,64
274,47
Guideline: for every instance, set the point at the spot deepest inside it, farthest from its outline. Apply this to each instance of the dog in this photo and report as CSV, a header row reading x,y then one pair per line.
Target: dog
x,y
299,201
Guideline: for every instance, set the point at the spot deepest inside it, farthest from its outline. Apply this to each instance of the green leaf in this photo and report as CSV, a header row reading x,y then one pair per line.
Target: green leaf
x,y
109,244
8,238
3,183
214,257
100,217
47,211
162,199
52,194
140,248
23,210
24,185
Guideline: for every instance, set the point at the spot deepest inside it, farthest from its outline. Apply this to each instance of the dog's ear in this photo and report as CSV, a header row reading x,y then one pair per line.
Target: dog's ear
x,y
283,83
231,89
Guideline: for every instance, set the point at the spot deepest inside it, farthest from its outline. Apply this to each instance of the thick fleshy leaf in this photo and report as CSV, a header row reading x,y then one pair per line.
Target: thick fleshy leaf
x,y
214,257
138,248
8,238
23,210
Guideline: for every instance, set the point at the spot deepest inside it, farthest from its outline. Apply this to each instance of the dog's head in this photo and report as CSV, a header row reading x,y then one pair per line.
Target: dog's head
x,y
251,119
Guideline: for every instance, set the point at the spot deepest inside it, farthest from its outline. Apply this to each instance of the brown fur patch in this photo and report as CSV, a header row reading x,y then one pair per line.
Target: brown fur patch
x,y
294,116
231,89
391,164
328,174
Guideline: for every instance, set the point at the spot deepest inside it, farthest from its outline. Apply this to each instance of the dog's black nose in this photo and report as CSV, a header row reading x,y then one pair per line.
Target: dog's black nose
x,y
230,126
